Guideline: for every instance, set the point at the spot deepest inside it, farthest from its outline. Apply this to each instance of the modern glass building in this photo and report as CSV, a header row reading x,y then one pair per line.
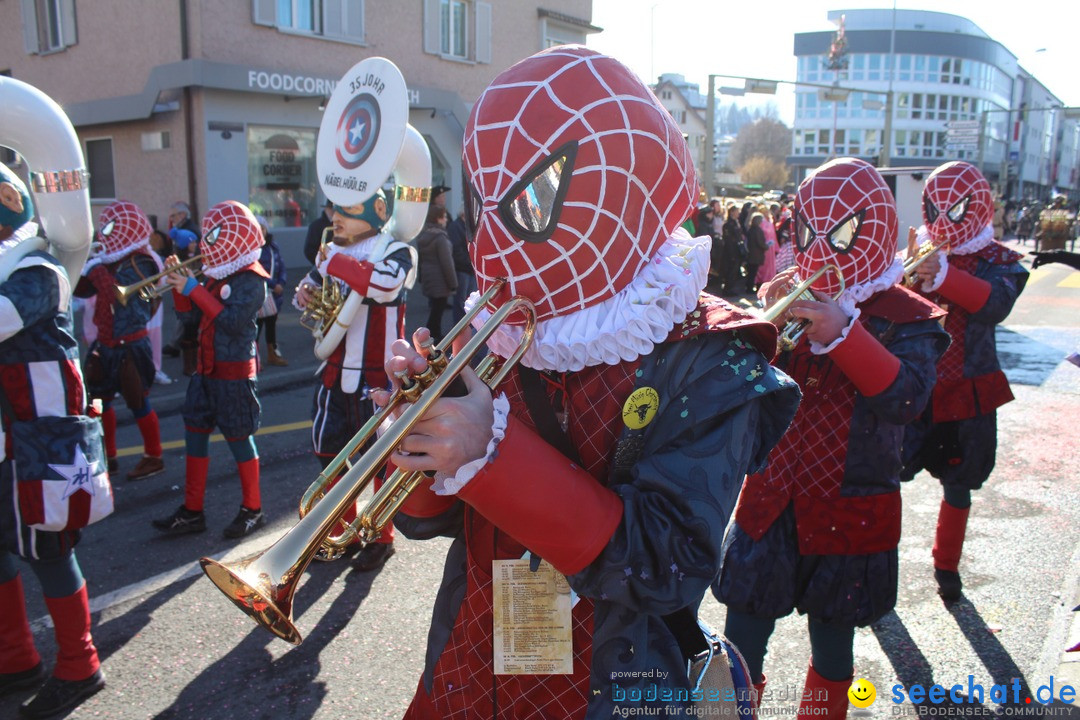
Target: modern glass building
x,y
957,94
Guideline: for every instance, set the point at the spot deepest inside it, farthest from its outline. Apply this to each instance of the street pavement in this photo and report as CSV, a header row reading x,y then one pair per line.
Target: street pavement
x,y
173,647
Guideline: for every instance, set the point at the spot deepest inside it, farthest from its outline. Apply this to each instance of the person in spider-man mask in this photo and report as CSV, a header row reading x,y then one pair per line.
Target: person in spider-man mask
x,y
614,452
817,530
977,280
120,360
223,390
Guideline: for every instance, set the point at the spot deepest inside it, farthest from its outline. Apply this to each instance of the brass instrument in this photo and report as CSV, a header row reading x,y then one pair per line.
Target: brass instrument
x,y
263,585
793,331
147,288
322,310
924,253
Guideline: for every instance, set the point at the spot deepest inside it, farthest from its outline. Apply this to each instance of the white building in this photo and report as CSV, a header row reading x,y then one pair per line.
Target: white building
x,y
957,94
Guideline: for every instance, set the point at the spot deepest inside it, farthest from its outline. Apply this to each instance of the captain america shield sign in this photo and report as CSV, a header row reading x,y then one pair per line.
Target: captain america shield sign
x,y
357,131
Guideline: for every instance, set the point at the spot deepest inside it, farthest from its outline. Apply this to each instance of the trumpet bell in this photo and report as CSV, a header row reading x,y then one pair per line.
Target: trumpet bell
x,y
251,590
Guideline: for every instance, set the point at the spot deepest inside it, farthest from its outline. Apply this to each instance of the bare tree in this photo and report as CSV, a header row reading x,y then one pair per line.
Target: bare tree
x,y
764,171
765,137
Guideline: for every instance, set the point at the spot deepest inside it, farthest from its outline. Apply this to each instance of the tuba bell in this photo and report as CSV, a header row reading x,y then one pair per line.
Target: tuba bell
x,y
32,124
351,172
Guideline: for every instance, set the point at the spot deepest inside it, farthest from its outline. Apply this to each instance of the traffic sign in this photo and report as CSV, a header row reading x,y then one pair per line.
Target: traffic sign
x,y
961,146
963,132
962,124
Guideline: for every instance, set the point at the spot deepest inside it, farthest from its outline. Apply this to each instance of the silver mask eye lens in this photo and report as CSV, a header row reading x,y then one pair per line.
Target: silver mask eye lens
x,y
109,227
959,210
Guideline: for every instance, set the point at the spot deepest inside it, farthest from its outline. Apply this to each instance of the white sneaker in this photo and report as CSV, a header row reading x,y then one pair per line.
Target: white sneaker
x,y
161,378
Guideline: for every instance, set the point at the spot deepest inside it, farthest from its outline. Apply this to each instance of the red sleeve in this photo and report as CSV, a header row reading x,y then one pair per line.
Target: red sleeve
x,y
181,302
546,502
964,289
423,502
209,304
867,362
356,274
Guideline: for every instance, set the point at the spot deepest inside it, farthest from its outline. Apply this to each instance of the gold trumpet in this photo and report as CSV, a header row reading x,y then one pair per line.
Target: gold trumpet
x,y
924,253
263,585
793,331
147,287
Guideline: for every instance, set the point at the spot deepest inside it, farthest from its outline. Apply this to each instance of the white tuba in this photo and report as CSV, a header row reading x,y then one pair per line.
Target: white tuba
x,y
32,124
365,137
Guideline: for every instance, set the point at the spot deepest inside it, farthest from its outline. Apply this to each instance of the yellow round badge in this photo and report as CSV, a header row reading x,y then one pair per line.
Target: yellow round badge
x,y
862,693
640,408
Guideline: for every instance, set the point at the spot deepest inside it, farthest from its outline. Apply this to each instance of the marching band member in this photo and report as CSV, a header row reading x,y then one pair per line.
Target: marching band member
x,y
615,450
53,478
120,359
223,391
817,530
977,280
360,257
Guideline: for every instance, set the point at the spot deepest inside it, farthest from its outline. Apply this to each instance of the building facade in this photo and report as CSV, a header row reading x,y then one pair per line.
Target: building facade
x,y
956,93
211,100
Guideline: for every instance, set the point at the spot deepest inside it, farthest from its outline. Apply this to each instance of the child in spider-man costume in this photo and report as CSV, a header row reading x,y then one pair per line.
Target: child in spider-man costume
x,y
120,360
817,530
977,280
223,392
615,450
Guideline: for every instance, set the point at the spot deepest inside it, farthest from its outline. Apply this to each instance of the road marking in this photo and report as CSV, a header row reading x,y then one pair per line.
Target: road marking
x,y
217,437
1072,280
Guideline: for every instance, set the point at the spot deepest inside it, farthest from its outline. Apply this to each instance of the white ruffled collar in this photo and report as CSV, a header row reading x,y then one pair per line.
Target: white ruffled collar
x,y
627,325
983,238
221,271
108,257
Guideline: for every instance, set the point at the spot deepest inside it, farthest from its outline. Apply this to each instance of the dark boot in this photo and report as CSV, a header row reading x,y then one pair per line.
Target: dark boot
x,y
57,695
824,698
20,664
948,547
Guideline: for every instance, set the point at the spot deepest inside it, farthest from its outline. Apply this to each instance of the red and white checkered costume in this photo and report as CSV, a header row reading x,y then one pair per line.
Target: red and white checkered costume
x,y
124,228
957,204
577,182
231,239
625,178
845,196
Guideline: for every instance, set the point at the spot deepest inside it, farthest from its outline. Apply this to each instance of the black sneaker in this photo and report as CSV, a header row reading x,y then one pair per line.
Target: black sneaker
x,y
949,585
24,680
181,522
57,695
373,556
245,523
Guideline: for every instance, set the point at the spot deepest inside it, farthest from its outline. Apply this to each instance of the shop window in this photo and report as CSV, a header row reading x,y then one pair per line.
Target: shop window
x,y
48,25
332,19
458,29
99,163
281,175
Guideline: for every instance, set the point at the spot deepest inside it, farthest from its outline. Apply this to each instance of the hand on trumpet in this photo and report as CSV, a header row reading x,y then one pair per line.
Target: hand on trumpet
x,y
779,287
928,270
303,293
178,276
455,430
827,319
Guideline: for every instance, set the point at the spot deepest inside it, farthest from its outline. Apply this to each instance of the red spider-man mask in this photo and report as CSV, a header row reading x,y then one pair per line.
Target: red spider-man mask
x,y
575,175
957,203
123,226
230,232
844,215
